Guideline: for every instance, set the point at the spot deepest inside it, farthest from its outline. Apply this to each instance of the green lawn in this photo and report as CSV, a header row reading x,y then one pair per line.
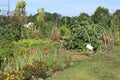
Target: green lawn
x,y
100,67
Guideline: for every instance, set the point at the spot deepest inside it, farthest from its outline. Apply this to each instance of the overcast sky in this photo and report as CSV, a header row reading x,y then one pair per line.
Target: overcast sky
x,y
66,7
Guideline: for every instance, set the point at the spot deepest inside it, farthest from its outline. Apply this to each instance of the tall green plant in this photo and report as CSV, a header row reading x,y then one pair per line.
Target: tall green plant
x,y
115,24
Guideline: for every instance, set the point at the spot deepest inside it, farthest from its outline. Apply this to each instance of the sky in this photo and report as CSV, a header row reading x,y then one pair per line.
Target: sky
x,y
65,7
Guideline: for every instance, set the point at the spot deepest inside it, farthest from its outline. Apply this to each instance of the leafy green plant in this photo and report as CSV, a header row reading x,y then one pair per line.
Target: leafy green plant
x,y
7,35
29,45
115,28
64,31
87,34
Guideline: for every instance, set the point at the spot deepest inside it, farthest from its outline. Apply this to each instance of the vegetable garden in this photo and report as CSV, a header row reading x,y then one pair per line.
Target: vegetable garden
x,y
37,50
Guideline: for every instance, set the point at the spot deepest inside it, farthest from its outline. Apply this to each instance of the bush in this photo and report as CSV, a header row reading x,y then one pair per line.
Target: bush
x,y
7,35
81,36
37,69
64,31
31,46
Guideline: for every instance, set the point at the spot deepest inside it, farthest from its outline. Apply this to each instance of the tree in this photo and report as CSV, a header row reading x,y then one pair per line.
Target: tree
x,y
101,15
40,15
56,18
48,17
117,13
19,19
40,18
31,18
115,25
84,18
20,10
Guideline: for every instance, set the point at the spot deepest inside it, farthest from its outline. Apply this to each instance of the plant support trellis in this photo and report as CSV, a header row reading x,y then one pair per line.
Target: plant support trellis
x,y
97,35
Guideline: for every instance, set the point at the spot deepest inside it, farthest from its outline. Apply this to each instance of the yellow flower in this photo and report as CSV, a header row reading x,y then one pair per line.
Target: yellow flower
x,y
6,73
16,77
31,64
32,76
12,77
5,59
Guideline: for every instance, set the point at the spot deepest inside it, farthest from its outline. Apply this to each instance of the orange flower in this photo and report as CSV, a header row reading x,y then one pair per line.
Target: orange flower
x,y
21,53
44,49
32,51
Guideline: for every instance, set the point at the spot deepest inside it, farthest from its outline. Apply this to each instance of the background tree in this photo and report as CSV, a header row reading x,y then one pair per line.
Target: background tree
x,y
48,17
31,18
40,15
19,19
101,15
115,25
57,18
20,10
117,14
84,18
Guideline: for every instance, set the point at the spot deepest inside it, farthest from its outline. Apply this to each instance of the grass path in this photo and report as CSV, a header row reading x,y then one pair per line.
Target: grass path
x,y
100,67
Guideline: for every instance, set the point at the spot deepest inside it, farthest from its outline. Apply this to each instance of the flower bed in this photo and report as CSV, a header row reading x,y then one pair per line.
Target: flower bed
x,y
39,59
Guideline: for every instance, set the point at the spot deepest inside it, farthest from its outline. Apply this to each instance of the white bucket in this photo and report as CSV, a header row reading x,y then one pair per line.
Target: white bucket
x,y
88,46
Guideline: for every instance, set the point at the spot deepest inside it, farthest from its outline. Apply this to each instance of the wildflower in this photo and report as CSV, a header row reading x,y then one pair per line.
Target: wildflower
x,y
44,49
16,77
32,51
32,76
6,73
12,77
21,53
31,64
5,59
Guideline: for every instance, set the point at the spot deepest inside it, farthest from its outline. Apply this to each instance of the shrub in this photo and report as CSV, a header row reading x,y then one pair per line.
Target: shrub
x,y
64,31
37,69
7,35
31,46
87,34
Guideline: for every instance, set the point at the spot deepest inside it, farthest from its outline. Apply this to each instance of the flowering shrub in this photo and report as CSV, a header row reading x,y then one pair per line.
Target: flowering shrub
x,y
14,75
37,69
